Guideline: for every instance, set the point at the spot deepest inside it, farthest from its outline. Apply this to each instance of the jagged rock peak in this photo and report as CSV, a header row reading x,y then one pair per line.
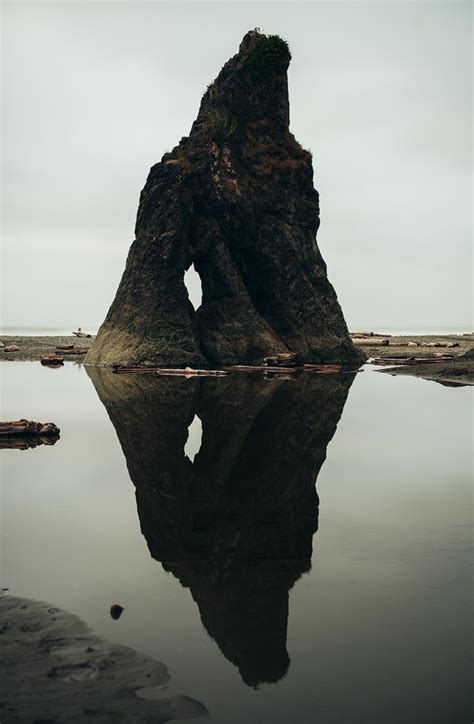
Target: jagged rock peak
x,y
251,86
236,199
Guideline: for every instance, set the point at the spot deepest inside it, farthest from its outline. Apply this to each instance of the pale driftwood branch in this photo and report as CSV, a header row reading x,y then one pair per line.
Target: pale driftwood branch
x,y
80,333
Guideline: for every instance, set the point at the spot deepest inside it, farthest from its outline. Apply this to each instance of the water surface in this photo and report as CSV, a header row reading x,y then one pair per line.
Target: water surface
x,y
268,602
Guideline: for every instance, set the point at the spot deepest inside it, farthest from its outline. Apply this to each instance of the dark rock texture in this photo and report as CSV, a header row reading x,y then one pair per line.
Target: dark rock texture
x,y
236,199
235,526
54,669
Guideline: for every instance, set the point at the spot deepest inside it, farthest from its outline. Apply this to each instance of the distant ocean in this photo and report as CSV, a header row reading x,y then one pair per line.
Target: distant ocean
x,y
411,331
44,331
63,331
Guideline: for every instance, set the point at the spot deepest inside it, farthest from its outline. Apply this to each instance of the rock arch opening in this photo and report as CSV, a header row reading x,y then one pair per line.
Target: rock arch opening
x,y
193,443
193,284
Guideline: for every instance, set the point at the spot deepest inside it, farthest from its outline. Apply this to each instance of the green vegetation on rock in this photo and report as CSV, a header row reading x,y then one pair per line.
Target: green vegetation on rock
x,y
219,125
270,56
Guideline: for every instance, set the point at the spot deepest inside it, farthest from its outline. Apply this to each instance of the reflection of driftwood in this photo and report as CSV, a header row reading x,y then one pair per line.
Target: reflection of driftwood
x,y
188,372
28,441
370,342
52,361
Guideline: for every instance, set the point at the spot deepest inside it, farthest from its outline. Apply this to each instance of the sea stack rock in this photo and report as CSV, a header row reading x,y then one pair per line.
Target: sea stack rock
x,y
236,199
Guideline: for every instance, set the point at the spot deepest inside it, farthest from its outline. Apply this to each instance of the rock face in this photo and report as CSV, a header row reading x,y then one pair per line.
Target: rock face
x,y
236,525
236,199
53,668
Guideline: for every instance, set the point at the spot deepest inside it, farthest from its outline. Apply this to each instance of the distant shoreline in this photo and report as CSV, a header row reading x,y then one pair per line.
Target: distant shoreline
x,y
56,332
33,347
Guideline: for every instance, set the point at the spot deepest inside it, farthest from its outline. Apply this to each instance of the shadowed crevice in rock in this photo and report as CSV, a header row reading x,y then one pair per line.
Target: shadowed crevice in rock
x,y
236,525
236,199
53,668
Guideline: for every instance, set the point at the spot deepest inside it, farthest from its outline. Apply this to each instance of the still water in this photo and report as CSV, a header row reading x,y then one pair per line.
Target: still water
x,y
269,602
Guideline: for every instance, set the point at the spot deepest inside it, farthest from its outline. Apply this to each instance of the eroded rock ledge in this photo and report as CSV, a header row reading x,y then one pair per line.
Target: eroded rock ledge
x,y
236,199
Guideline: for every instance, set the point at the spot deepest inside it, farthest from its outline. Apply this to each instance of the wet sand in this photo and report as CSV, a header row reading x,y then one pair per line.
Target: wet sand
x,y
53,668
32,349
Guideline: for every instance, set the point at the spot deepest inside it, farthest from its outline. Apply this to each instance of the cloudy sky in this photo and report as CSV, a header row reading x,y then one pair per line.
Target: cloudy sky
x,y
381,92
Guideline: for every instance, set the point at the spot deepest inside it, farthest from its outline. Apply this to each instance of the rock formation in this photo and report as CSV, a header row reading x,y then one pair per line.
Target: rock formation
x,y
235,526
236,199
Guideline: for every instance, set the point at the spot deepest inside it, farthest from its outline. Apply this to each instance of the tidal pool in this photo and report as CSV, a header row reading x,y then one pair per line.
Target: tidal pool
x,y
269,602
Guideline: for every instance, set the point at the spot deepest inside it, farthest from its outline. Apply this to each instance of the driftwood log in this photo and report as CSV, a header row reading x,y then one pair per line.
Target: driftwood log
x,y
364,335
370,342
27,427
249,369
387,361
439,344
177,372
285,359
24,434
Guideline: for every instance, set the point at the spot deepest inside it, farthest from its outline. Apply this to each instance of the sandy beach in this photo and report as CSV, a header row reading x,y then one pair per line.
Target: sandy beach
x,y
32,348
456,371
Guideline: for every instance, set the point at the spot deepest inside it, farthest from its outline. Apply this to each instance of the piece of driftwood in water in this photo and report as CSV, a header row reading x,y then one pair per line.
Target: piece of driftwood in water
x,y
285,359
52,361
75,351
371,342
259,369
251,369
22,428
64,347
11,348
80,333
178,372
325,369
386,361
278,370
189,372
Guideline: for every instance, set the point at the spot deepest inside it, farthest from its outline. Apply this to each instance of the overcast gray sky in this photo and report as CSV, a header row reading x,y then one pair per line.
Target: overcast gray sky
x,y
381,92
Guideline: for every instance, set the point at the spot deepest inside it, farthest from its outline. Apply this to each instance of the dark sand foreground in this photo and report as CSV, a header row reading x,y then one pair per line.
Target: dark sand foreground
x,y
53,668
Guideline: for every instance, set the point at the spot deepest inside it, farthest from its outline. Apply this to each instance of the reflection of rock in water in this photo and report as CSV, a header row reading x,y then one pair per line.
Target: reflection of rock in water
x,y
236,525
